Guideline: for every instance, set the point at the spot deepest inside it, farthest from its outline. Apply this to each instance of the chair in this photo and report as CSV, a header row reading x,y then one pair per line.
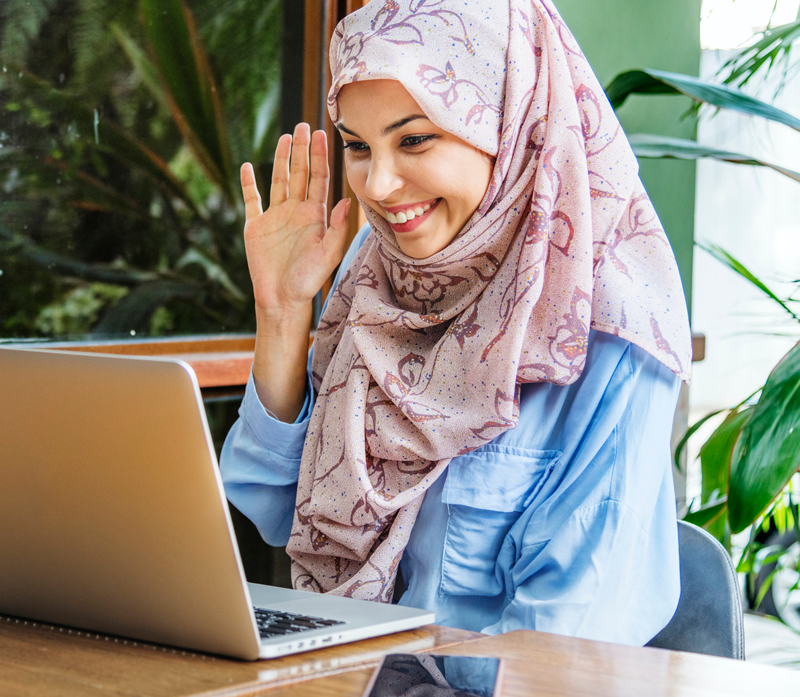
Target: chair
x,y
709,615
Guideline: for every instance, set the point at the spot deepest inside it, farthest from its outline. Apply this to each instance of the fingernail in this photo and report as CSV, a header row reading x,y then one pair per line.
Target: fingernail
x,y
347,207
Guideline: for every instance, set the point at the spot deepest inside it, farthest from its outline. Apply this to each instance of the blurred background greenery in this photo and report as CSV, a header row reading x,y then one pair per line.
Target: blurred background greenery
x,y
122,125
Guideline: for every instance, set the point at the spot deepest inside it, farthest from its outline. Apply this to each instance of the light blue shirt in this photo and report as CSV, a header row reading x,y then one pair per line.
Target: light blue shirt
x,y
564,524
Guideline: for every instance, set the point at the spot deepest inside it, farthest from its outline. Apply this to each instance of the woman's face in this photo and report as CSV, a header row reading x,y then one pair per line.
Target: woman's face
x,y
424,181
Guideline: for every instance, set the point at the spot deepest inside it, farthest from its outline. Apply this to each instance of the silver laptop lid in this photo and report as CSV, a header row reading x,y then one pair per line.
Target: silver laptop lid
x,y
113,515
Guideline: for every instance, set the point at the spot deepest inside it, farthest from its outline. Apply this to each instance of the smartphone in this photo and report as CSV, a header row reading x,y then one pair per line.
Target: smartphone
x,y
429,675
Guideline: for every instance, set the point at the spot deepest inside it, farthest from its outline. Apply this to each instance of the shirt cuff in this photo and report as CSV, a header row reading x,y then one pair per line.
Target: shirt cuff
x,y
275,435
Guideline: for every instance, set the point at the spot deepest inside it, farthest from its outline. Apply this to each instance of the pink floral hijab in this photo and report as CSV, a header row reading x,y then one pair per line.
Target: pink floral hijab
x,y
417,361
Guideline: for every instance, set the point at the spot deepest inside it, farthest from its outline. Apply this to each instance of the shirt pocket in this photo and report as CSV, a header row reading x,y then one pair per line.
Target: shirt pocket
x,y
486,492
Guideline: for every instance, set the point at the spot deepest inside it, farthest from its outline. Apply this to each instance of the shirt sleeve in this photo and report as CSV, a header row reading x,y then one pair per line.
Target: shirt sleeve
x,y
595,553
260,462
260,459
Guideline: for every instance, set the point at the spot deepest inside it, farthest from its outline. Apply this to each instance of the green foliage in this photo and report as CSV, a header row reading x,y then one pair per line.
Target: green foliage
x,y
190,87
770,52
646,145
75,312
660,82
748,462
768,452
737,266
750,458
117,145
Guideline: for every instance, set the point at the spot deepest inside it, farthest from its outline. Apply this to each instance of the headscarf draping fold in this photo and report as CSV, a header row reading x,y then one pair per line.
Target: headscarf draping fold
x,y
417,361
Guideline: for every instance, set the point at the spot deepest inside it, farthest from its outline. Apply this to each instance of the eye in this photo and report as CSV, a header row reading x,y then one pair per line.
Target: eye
x,y
356,146
414,141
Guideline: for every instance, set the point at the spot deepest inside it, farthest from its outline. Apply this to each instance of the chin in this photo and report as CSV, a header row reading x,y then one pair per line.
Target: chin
x,y
422,250
426,244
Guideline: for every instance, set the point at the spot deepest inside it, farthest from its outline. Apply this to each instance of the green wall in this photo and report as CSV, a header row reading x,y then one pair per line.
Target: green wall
x,y
618,35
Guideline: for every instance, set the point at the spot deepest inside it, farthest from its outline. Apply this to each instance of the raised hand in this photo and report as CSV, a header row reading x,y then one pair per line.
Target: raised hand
x,y
290,253
290,249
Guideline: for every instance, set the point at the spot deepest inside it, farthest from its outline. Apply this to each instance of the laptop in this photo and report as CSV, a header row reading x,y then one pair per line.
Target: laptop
x,y
114,518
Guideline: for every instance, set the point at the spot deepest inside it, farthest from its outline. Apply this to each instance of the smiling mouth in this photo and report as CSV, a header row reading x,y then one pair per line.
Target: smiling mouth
x,y
408,220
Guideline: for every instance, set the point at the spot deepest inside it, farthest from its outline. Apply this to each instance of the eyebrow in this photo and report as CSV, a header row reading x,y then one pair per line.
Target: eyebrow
x,y
389,129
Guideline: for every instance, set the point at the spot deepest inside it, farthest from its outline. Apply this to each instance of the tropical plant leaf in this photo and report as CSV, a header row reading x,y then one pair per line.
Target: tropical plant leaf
x,y
715,455
134,311
635,82
660,82
772,48
105,135
141,64
90,193
735,265
16,244
190,87
768,452
265,118
715,459
689,433
19,21
707,514
214,272
660,147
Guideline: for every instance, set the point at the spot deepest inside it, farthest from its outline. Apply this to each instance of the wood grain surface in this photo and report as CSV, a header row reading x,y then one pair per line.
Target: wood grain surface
x,y
38,659
540,664
546,665
43,660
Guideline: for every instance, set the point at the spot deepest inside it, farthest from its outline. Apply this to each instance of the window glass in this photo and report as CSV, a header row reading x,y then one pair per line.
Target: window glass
x,y
122,127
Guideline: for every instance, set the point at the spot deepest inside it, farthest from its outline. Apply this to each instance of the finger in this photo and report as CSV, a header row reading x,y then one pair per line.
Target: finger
x,y
336,235
298,176
252,199
320,174
279,189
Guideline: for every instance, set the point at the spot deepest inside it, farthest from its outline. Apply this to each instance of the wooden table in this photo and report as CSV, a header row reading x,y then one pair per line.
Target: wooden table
x,y
41,660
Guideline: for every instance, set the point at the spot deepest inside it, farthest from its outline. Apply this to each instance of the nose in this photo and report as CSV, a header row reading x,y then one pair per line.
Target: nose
x,y
383,178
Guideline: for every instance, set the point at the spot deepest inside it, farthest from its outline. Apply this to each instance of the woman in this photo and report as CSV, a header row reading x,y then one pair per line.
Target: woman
x,y
494,376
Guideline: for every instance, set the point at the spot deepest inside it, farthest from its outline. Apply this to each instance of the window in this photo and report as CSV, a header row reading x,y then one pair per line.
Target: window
x,y
122,126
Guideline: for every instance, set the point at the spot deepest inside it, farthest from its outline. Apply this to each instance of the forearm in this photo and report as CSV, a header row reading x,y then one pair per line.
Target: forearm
x,y
279,364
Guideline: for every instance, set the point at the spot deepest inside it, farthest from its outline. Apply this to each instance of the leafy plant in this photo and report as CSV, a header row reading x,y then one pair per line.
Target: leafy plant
x,y
770,51
117,144
748,463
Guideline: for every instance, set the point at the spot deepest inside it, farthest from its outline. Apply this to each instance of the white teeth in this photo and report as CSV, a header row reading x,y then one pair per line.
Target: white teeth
x,y
404,216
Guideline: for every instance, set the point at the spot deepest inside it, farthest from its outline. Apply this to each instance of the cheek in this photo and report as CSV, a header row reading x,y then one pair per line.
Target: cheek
x,y
479,166
465,174
356,173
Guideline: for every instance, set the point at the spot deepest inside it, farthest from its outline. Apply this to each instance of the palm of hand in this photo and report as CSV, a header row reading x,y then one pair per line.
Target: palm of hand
x,y
290,252
286,254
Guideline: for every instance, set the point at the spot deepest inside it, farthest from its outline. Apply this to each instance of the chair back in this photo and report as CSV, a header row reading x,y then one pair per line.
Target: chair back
x,y
709,615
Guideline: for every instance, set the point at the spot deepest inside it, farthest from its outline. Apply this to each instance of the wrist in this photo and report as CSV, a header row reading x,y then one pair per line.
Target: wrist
x,y
283,321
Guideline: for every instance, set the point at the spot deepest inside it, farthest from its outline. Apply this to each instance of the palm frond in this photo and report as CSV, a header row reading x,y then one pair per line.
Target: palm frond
x,y
723,97
647,145
735,265
770,51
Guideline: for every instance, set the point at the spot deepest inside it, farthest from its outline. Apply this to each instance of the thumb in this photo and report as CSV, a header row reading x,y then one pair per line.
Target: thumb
x,y
336,234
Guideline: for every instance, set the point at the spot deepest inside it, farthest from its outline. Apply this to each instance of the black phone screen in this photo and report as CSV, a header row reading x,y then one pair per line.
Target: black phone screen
x,y
427,675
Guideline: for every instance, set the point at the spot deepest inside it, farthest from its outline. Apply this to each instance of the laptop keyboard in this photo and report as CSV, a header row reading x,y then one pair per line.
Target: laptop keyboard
x,y
272,623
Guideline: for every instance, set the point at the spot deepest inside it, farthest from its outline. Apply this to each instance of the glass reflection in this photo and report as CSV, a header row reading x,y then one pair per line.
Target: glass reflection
x,y
122,123
410,675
